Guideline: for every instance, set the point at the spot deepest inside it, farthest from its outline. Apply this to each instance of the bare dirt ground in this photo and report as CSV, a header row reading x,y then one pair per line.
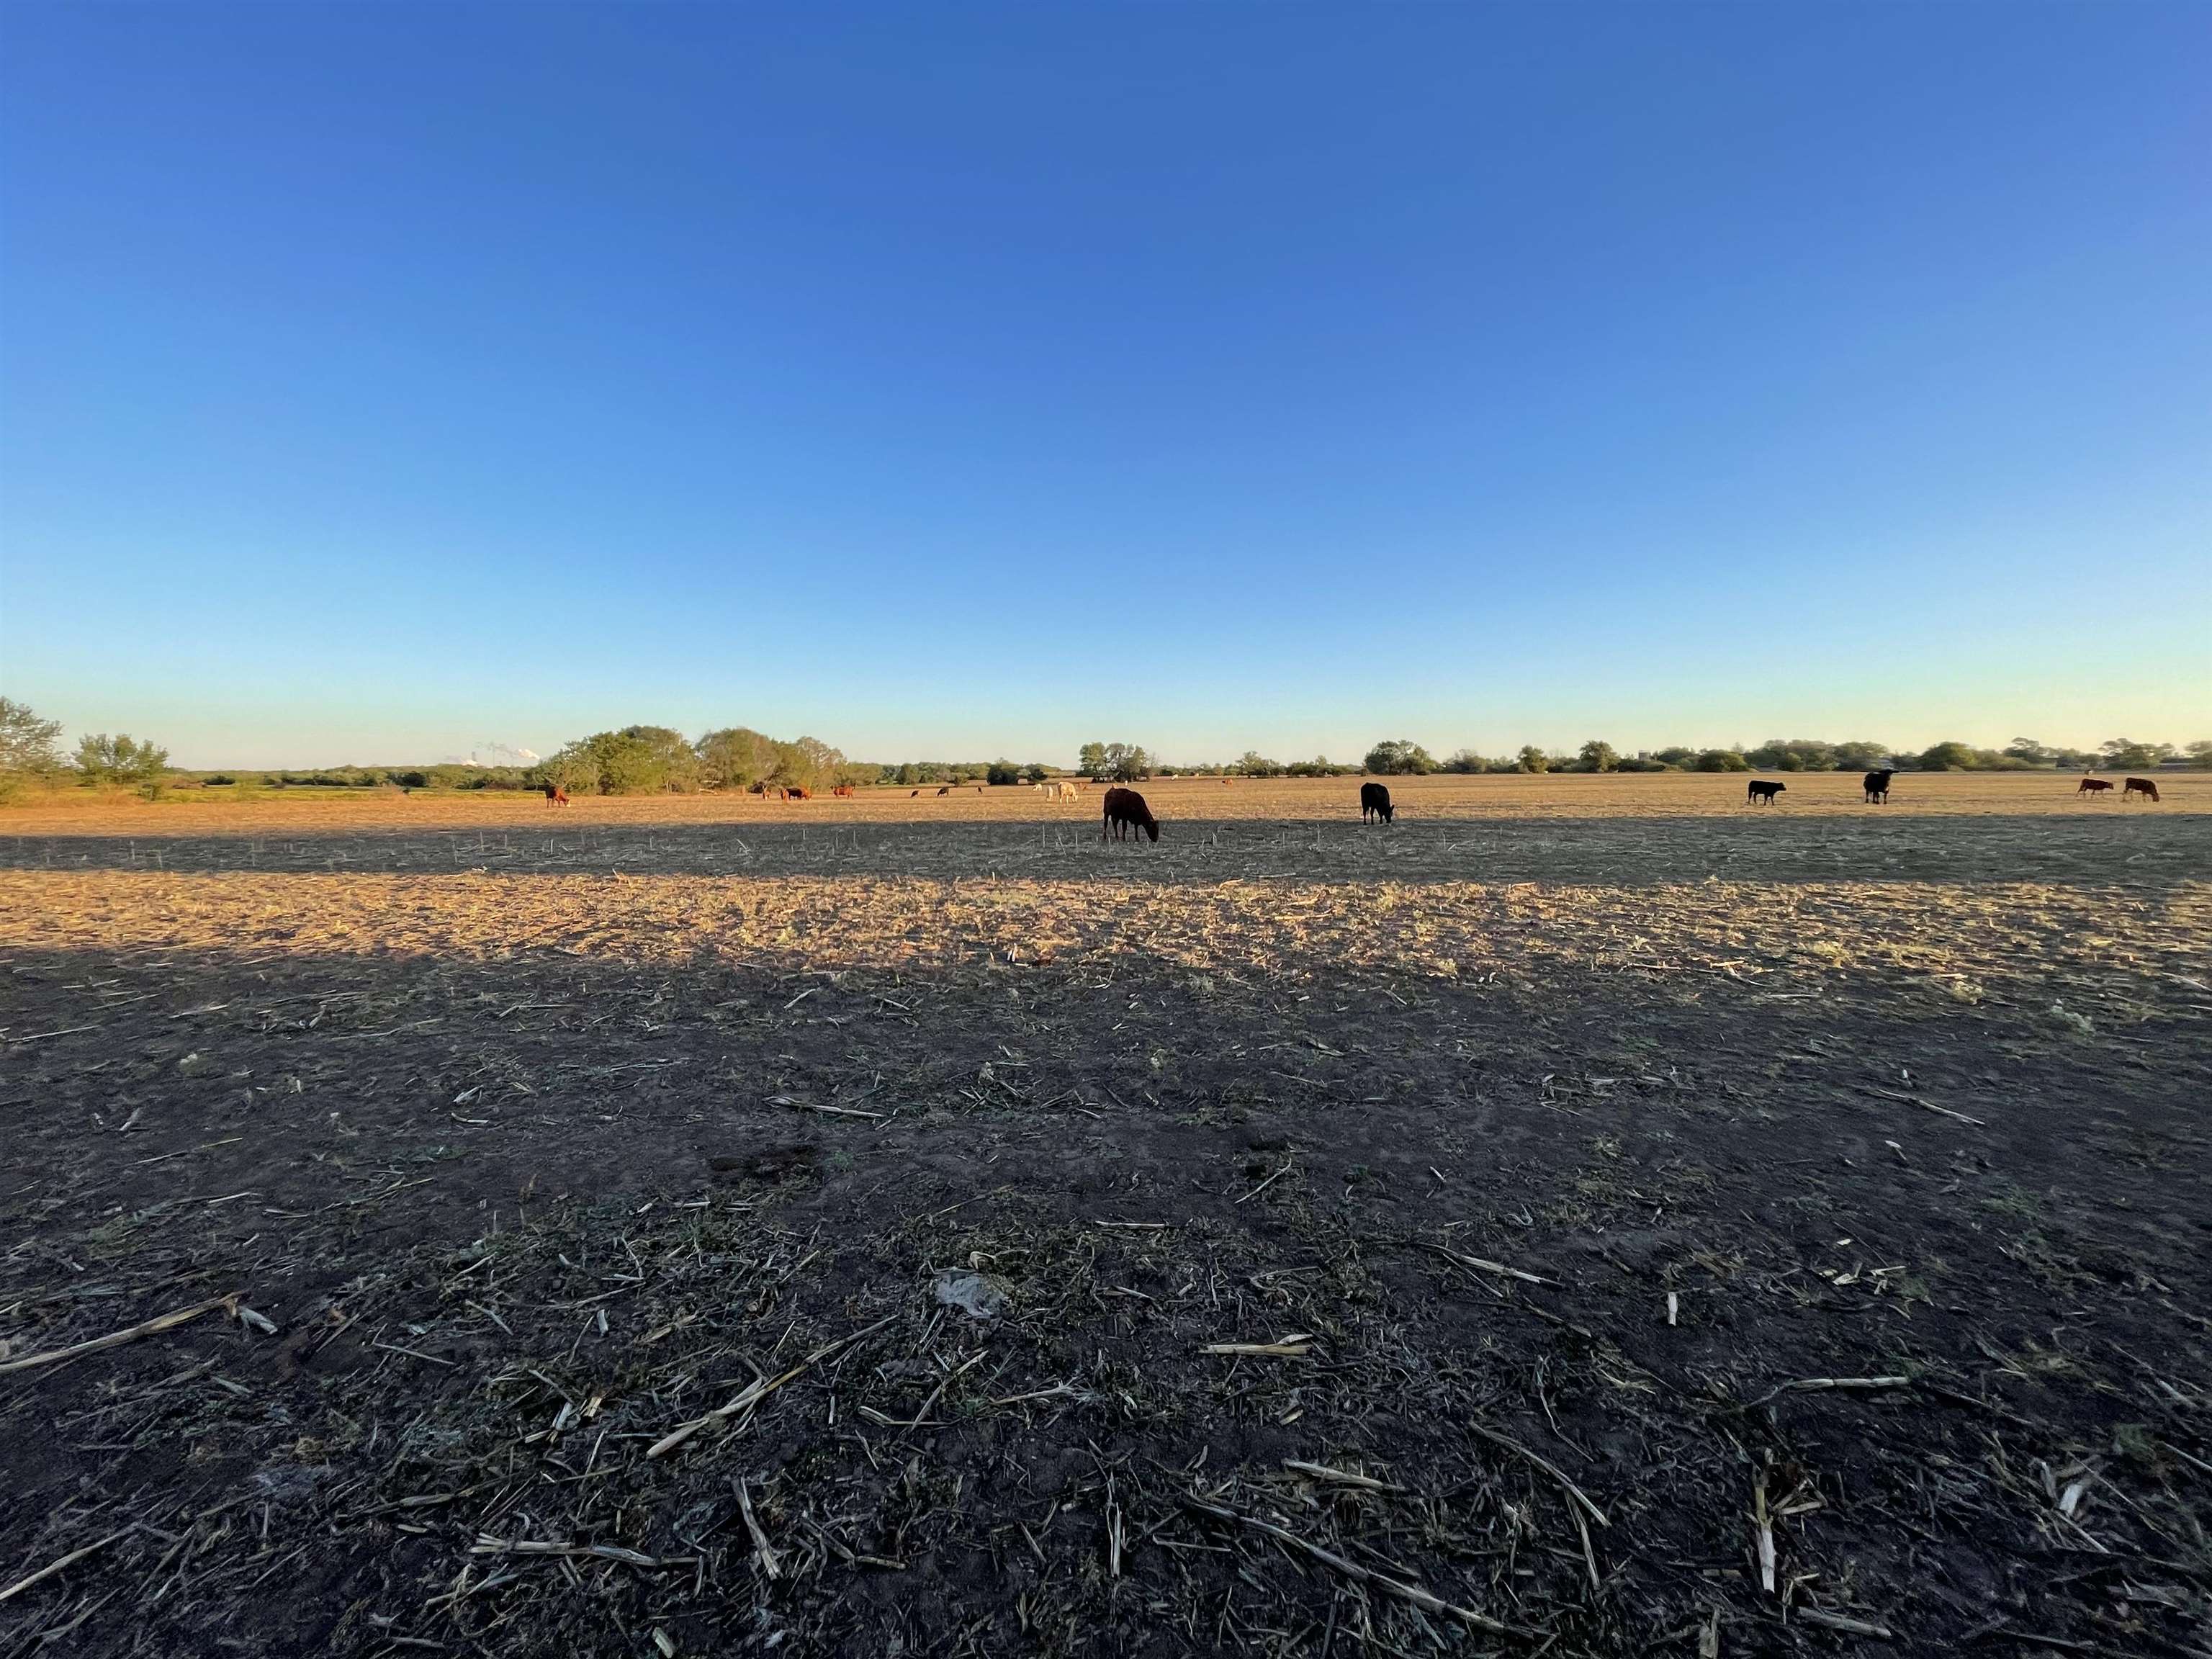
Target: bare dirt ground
x,y
1590,1217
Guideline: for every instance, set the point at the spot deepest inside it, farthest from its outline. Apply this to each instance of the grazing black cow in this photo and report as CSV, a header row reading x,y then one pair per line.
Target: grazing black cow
x,y
1374,803
946,790
2093,786
1876,785
911,793
2140,786
556,795
1762,793
1125,811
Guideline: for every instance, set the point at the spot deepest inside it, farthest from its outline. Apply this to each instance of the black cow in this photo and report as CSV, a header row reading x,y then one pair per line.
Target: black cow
x,y
1374,803
1762,793
2139,787
1876,785
1125,811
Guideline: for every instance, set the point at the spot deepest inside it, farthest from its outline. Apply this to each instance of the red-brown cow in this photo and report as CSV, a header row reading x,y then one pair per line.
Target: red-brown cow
x,y
1125,812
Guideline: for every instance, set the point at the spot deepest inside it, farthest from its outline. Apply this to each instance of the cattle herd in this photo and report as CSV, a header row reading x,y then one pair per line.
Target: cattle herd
x,y
1127,813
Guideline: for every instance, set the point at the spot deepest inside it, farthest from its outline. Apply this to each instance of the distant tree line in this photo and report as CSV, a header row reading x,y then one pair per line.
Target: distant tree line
x,y
1785,755
657,759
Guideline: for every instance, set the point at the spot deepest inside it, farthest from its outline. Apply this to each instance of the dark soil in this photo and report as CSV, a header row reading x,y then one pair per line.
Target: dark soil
x,y
1924,1281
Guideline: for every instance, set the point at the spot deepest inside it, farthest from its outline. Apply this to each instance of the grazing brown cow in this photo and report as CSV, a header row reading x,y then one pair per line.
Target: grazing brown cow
x,y
556,795
2093,786
1375,803
1125,811
2140,786
1762,793
946,790
844,790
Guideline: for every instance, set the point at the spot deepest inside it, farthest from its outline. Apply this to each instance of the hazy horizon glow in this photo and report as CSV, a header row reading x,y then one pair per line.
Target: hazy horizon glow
x,y
378,382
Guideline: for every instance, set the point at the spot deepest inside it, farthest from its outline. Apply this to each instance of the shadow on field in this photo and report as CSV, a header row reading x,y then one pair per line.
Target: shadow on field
x,y
2139,850
934,1264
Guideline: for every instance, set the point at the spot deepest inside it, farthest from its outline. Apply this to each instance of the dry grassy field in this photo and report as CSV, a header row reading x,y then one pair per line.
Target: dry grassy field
x,y
1591,1216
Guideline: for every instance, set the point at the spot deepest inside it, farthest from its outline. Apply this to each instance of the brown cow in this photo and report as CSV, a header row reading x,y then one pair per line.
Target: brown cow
x,y
2093,786
2140,786
911,793
946,790
556,795
1125,811
845,790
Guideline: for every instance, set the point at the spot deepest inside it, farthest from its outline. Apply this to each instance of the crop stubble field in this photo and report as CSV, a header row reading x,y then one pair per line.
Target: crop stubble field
x,y
1590,1168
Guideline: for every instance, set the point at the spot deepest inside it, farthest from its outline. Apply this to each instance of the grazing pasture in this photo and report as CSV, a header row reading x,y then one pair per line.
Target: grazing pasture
x,y
1594,1212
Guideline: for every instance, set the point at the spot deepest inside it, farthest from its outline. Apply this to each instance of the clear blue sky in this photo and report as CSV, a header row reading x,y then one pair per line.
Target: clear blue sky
x,y
949,379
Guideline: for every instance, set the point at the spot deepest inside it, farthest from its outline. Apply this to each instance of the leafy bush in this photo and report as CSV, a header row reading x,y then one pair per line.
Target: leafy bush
x,y
1113,763
1002,772
1399,756
120,760
27,747
1597,756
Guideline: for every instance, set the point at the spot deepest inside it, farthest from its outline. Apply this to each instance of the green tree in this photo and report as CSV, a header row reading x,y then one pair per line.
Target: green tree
x,y
1596,757
27,747
1034,772
1256,765
1533,759
120,760
1128,762
2125,755
638,760
2200,754
1861,756
1719,760
1000,772
734,758
1399,755
2028,752
1091,762
1949,756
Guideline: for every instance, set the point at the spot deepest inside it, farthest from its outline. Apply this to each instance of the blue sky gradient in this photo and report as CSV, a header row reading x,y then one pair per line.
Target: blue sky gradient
x,y
958,380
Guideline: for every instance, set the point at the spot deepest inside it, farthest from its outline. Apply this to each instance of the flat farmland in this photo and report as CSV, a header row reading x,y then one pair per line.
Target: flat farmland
x,y
1589,1216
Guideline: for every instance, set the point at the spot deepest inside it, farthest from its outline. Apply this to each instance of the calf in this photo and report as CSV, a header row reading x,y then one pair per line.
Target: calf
x,y
2140,786
2093,786
1762,793
1375,804
1125,811
1876,786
